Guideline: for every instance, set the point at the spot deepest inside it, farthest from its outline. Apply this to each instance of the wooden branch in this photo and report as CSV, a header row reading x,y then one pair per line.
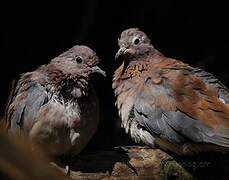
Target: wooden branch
x,y
133,162
17,161
136,162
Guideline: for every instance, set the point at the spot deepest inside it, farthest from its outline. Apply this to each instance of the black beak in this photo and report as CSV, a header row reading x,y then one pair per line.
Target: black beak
x,y
123,55
96,69
120,54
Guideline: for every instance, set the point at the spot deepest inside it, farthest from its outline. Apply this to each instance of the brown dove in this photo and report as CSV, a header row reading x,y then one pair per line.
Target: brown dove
x,y
56,105
166,103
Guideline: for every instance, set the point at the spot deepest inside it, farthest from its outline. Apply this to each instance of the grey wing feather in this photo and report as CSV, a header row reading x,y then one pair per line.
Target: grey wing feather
x,y
176,126
195,130
151,118
212,81
27,99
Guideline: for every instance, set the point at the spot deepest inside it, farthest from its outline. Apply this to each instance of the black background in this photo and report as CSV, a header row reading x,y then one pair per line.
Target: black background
x,y
32,33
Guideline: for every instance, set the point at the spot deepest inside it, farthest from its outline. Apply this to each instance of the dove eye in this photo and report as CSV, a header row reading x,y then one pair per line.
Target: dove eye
x,y
79,59
136,41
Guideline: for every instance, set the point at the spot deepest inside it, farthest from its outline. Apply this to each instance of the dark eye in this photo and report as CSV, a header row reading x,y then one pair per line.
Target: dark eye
x,y
136,41
79,59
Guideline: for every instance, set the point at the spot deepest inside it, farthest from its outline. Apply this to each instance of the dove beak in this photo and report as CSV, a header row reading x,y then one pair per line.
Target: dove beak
x,y
96,69
120,54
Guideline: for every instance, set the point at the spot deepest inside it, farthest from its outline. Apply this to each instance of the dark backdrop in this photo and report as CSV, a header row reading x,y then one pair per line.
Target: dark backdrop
x,y
33,33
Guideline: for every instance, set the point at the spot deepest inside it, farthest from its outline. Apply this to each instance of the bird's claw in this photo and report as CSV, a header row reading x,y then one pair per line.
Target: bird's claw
x,y
67,170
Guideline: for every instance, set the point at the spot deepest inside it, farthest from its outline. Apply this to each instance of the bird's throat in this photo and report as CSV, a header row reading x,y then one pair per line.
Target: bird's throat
x,y
132,69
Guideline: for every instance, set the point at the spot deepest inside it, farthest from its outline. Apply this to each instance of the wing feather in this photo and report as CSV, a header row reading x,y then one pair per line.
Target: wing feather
x,y
185,107
28,96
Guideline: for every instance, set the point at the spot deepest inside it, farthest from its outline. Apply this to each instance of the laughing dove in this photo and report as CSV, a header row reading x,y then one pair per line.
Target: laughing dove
x,y
167,103
56,105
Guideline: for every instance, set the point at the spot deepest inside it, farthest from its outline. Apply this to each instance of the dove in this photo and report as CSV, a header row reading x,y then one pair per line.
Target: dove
x,y
56,105
165,103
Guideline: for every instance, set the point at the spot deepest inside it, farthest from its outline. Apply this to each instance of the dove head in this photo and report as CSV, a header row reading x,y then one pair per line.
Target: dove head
x,y
79,60
133,44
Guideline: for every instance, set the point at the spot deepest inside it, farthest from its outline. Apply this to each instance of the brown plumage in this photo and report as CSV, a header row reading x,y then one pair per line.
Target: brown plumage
x,y
163,98
56,105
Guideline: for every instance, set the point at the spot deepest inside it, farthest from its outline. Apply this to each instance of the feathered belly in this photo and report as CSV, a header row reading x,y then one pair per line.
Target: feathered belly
x,y
57,127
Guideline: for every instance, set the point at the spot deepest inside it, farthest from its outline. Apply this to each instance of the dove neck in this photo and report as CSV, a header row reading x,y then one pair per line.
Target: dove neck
x,y
57,73
140,63
66,84
151,54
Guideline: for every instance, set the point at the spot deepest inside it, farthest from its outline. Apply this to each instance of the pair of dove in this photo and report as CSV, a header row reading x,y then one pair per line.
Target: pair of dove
x,y
162,102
